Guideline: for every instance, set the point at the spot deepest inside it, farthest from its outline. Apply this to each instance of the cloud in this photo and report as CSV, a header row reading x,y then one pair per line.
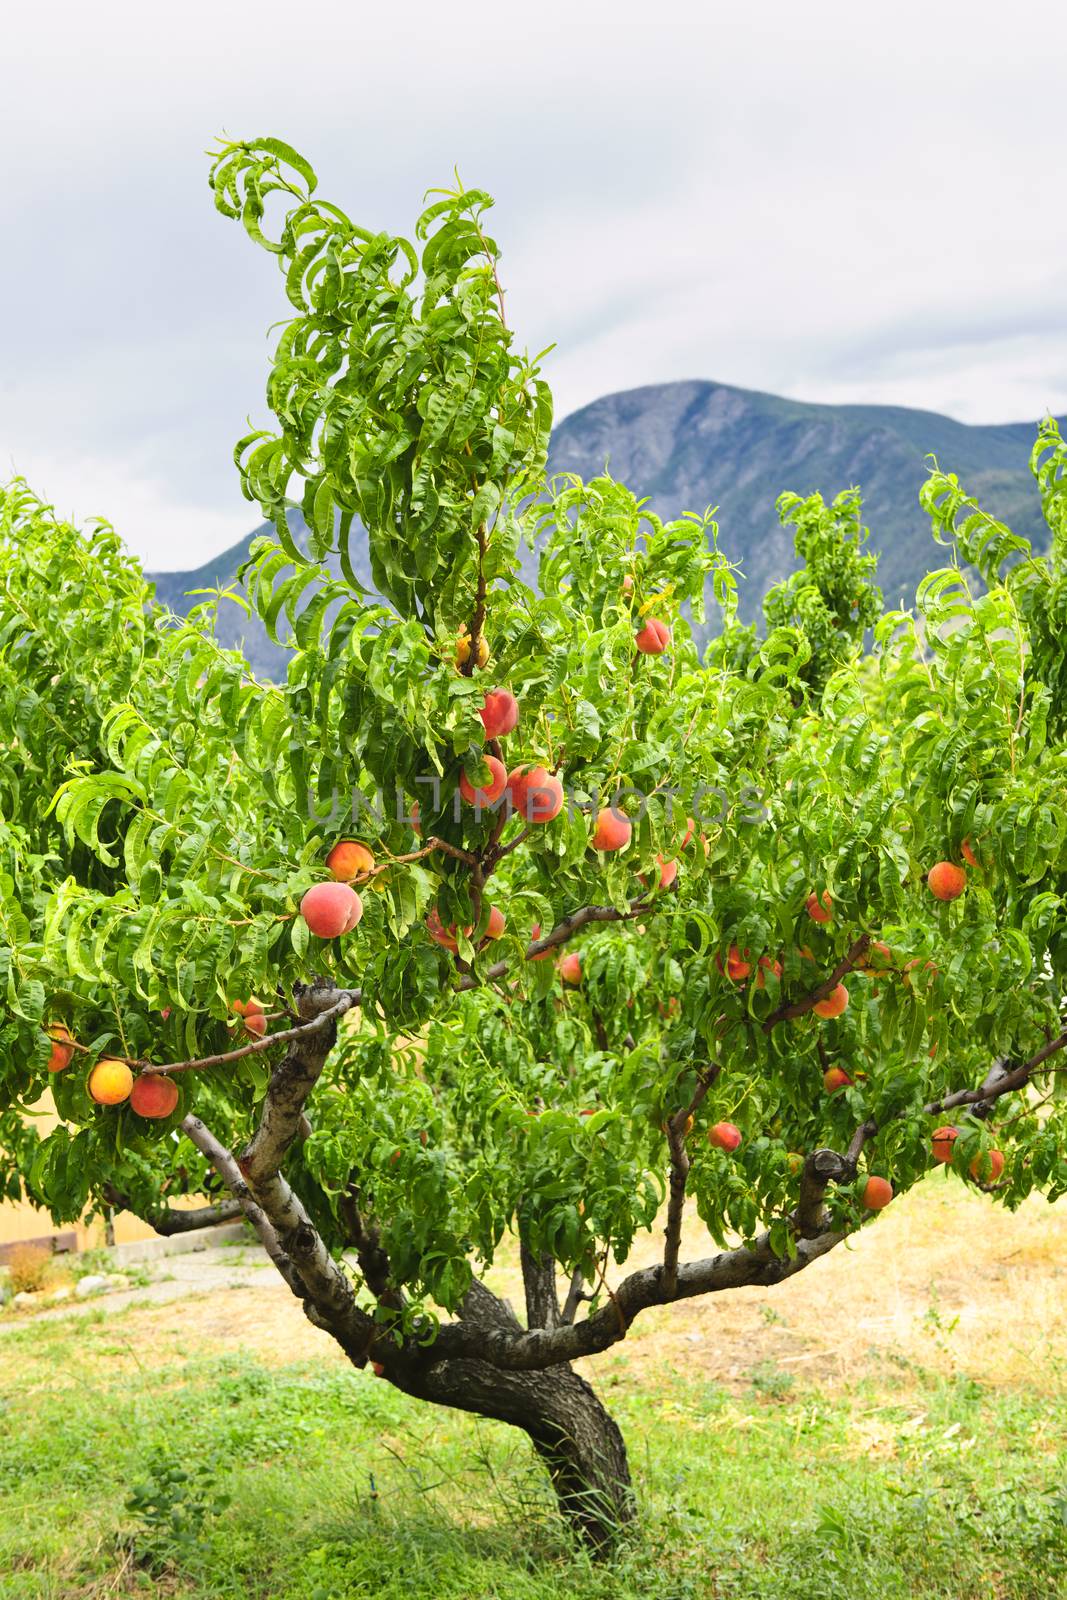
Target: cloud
x,y
830,202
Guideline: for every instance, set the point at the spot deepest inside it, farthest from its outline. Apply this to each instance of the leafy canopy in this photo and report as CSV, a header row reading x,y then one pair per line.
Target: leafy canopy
x,y
163,812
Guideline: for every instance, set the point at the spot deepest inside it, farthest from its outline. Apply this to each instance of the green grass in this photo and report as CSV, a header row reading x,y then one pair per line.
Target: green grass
x,y
904,1484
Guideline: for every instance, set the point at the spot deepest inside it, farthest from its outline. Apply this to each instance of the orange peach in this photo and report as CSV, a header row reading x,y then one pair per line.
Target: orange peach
x,y
820,908
877,1193
110,1082
836,1002
987,1166
463,648
946,881
349,861
942,1141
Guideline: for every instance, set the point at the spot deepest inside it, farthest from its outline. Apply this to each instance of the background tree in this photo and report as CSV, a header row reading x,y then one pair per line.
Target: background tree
x,y
806,904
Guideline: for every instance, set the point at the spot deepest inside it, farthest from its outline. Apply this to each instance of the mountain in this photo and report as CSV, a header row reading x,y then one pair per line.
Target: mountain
x,y
695,444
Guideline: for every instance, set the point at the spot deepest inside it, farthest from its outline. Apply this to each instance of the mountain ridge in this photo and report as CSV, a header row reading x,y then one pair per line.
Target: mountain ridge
x,y
695,443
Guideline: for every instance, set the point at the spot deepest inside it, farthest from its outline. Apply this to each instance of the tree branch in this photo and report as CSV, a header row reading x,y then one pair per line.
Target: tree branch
x,y
226,1166
564,930
800,1008
537,1348
679,1158
344,1000
282,1119
294,1246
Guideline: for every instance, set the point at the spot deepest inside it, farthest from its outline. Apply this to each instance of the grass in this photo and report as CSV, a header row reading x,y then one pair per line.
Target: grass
x,y
897,1474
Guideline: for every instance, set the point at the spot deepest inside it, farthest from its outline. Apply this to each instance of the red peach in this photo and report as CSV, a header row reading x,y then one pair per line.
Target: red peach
x,y
493,790
499,714
612,831
535,934
967,852
724,1136
535,794
254,1017
62,1052
153,1095
653,638
835,1078
570,969
331,909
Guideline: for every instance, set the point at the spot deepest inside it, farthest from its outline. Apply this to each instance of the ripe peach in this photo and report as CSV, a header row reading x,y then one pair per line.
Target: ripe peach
x,y
570,969
765,965
834,1004
493,790
62,1052
987,1166
667,871
946,881
653,638
545,955
724,1136
446,937
110,1082
690,830
794,1161
942,1141
877,1193
463,648
612,831
496,924
738,966
909,968
330,909
349,861
154,1095
688,1127
376,1366
879,956
967,852
835,1078
254,1017
536,795
499,714
628,583
820,907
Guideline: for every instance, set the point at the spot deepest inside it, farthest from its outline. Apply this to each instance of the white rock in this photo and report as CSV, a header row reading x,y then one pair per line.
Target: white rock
x,y
24,1299
117,1280
92,1283
59,1294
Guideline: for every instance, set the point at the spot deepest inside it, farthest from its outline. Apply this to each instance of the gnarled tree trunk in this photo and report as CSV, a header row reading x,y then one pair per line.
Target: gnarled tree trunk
x,y
577,1439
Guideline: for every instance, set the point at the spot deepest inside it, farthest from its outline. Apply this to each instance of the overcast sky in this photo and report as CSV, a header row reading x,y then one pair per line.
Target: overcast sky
x,y
836,202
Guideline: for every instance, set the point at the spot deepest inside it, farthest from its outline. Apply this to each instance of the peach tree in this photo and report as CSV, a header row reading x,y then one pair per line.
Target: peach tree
x,y
507,917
